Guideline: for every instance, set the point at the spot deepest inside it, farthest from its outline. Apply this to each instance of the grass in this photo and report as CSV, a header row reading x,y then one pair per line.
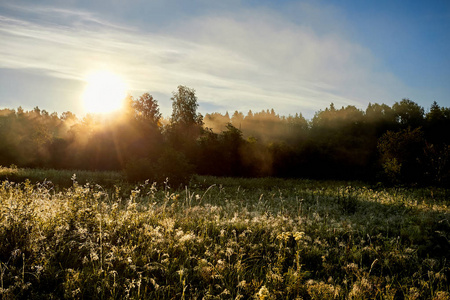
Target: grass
x,y
223,238
61,178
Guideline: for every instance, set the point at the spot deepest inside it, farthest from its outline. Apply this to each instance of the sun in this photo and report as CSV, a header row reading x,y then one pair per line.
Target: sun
x,y
105,92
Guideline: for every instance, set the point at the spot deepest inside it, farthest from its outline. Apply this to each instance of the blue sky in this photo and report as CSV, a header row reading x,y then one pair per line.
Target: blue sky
x,y
293,56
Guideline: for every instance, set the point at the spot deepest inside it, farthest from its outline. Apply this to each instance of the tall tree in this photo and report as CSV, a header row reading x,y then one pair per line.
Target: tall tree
x,y
408,113
185,123
146,109
184,108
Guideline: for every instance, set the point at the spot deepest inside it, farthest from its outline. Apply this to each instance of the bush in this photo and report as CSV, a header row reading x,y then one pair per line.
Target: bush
x,y
140,169
171,164
175,166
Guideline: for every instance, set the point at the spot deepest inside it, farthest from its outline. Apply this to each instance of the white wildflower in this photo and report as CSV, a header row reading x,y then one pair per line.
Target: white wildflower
x,y
94,256
187,237
263,293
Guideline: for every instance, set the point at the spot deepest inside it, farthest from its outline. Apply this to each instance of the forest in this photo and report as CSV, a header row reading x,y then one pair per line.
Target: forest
x,y
398,144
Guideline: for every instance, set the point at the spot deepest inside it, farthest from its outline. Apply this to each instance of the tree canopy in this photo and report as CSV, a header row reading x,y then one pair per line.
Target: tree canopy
x,y
184,108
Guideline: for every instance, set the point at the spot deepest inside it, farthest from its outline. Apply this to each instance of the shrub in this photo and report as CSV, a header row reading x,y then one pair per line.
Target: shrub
x,y
140,169
175,166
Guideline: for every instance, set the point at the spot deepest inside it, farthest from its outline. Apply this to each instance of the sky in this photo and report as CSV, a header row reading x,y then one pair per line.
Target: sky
x,y
292,56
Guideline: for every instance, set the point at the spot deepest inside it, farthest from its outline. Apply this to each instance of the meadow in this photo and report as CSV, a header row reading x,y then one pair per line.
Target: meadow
x,y
83,235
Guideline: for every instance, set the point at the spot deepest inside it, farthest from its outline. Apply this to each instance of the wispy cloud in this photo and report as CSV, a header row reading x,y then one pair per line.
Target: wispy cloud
x,y
253,59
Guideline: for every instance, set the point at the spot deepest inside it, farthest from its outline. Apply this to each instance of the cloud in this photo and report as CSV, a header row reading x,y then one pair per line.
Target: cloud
x,y
250,59
273,58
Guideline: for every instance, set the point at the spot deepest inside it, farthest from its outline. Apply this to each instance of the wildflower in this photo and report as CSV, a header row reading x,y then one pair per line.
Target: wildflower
x,y
85,260
361,289
16,253
38,268
352,267
225,292
441,295
242,284
168,224
284,236
298,235
263,293
440,276
154,283
94,256
321,290
77,291
274,277
82,232
180,272
414,293
187,237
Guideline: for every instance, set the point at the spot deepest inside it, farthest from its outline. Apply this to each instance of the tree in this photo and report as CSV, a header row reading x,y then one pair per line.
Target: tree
x,y
401,154
380,118
68,116
184,108
231,143
185,123
408,113
146,109
138,137
237,118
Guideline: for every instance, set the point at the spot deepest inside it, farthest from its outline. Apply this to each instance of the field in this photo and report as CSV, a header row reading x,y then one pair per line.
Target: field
x,y
94,236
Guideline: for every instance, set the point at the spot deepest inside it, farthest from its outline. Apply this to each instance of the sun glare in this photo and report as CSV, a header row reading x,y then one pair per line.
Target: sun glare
x,y
105,92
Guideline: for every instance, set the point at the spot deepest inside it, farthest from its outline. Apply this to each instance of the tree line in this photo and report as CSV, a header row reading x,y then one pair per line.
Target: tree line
x,y
398,144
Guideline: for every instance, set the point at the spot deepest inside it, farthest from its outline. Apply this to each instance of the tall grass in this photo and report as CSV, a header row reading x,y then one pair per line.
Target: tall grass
x,y
222,238
61,178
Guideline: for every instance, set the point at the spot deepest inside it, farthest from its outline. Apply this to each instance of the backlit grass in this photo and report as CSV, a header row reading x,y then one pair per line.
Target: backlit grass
x,y
222,238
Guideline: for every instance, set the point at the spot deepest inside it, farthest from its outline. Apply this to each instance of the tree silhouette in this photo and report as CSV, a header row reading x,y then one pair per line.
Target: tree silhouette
x,y
408,113
146,109
184,108
185,123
